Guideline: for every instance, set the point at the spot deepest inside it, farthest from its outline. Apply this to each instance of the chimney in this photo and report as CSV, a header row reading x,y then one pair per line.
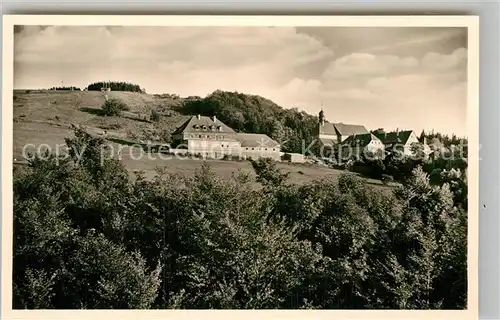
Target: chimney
x,y
397,132
198,117
215,119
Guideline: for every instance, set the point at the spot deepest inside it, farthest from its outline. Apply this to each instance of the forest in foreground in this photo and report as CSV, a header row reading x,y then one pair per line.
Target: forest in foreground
x,y
88,236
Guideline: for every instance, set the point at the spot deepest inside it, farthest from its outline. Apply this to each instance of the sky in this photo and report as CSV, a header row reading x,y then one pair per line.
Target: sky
x,y
380,77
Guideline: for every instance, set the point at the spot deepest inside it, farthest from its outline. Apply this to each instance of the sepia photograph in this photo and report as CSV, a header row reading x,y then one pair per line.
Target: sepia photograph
x,y
250,166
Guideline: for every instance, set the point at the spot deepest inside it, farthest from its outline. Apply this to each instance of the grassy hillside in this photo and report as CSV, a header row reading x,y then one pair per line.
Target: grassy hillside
x,y
45,118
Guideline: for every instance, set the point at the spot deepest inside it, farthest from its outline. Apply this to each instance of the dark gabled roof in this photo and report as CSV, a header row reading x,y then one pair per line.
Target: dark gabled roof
x,y
328,129
361,140
255,140
342,129
202,124
350,129
394,137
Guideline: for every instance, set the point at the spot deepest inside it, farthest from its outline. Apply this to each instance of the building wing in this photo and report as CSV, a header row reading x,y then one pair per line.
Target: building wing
x,y
256,140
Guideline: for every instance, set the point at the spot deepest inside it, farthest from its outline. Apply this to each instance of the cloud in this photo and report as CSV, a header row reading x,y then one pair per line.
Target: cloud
x,y
407,91
201,46
425,39
357,65
228,57
295,69
440,62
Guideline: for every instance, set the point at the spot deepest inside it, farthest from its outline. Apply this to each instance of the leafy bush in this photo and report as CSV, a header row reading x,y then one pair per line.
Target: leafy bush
x,y
267,172
387,178
155,116
114,107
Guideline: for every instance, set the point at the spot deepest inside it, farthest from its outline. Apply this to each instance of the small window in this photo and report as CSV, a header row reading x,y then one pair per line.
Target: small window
x,y
253,148
246,148
200,136
273,149
265,149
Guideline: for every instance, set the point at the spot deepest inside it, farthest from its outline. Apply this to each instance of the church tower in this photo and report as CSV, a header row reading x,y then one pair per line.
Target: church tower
x,y
322,116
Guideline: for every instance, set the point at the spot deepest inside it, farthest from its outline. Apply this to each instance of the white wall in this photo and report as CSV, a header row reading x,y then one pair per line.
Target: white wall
x,y
214,148
328,136
261,153
412,139
297,158
217,149
374,146
427,149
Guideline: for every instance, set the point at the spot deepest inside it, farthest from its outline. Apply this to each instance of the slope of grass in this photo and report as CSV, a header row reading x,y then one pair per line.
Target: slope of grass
x,y
43,119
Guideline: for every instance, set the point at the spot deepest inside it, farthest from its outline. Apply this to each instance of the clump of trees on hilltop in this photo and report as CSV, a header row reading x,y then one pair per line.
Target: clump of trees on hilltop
x,y
65,88
87,235
115,86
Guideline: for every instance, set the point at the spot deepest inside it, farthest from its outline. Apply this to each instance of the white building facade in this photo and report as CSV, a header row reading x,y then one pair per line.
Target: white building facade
x,y
211,138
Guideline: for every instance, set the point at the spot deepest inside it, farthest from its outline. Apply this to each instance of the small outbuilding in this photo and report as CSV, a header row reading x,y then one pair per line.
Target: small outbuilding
x,y
293,157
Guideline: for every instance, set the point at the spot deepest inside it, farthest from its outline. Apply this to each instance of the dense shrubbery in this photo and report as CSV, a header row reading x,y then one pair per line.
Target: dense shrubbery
x,y
88,236
115,86
155,116
441,168
113,107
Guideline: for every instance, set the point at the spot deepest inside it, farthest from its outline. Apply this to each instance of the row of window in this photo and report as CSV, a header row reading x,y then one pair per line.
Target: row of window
x,y
227,146
206,136
264,149
212,127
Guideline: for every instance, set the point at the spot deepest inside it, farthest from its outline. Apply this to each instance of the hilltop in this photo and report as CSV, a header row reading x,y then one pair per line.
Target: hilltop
x,y
45,117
